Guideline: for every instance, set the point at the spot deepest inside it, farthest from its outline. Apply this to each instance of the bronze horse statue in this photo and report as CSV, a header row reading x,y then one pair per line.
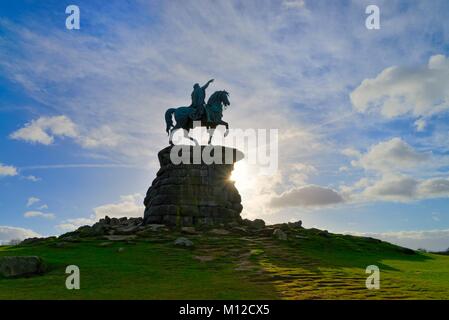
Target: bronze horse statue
x,y
211,117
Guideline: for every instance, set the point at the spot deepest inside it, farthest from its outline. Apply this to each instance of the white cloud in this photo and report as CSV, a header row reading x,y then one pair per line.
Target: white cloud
x,y
354,190
406,188
434,240
8,233
32,200
392,188
42,207
299,173
397,91
45,129
307,196
435,216
100,137
436,187
7,170
32,178
38,214
390,155
73,224
128,206
420,125
350,152
294,4
399,172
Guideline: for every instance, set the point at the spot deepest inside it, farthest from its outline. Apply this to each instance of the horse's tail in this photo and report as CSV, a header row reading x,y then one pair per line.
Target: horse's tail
x,y
168,119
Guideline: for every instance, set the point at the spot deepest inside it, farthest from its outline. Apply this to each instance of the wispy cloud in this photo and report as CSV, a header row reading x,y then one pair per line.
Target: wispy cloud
x,y
32,178
38,214
7,170
32,200
77,166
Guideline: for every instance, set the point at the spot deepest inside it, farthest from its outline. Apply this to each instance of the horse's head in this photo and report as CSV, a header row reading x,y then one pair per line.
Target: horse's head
x,y
219,97
225,98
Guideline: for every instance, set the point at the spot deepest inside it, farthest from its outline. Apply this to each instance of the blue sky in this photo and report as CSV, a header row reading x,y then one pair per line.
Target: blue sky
x,y
362,114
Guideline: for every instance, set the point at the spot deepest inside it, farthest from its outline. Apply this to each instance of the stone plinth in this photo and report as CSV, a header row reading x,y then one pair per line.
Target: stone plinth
x,y
192,187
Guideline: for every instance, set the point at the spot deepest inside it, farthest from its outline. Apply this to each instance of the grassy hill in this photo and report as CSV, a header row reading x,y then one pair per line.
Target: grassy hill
x,y
311,264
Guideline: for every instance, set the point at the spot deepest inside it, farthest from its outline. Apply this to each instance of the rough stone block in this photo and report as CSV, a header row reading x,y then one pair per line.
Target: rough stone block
x,y
189,194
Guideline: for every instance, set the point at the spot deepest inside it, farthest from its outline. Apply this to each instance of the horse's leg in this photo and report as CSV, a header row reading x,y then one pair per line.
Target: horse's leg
x,y
186,135
224,123
170,139
175,127
211,131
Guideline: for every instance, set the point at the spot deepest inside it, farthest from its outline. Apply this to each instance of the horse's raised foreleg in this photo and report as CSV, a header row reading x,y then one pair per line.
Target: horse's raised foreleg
x,y
224,123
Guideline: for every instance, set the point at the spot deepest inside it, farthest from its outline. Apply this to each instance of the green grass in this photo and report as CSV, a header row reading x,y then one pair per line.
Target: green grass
x,y
314,266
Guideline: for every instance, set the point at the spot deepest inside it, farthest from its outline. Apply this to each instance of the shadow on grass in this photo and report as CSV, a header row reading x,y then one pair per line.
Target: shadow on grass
x,y
337,252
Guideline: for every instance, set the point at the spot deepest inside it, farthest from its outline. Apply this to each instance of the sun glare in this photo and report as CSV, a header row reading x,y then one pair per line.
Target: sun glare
x,y
240,175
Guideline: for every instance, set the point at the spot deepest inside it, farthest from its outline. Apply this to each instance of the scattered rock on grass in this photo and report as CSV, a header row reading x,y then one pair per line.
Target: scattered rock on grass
x,y
62,244
14,266
240,230
297,224
256,252
188,230
128,230
105,244
155,227
32,241
219,232
71,239
204,258
120,237
255,224
324,234
183,242
279,234
265,232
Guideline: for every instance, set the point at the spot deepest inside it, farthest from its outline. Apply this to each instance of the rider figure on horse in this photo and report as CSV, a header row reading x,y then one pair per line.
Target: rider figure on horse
x,y
198,101
186,117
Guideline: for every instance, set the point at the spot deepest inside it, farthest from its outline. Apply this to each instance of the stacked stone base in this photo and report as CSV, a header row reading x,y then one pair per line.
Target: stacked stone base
x,y
192,194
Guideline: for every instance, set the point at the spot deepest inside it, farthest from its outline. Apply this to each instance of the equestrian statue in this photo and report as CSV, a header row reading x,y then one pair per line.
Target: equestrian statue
x,y
208,114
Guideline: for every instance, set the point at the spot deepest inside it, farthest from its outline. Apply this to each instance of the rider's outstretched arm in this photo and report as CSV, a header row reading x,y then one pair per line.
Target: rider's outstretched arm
x,y
207,84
